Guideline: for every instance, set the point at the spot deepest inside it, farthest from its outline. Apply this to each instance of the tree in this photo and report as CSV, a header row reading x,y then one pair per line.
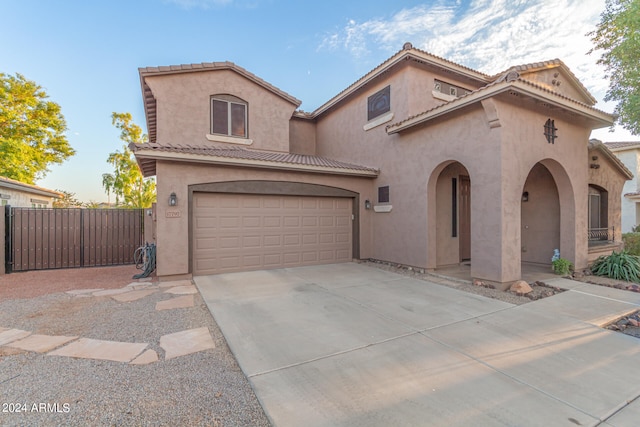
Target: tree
x,y
68,200
126,182
618,36
31,130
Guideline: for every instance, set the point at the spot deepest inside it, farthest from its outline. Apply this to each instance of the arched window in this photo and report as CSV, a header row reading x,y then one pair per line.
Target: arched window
x,y
228,116
598,213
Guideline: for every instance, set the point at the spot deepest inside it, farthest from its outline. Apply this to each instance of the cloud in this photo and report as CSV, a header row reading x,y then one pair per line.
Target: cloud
x,y
487,35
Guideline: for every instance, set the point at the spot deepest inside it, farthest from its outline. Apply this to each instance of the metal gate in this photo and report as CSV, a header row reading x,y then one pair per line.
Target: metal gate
x,y
40,239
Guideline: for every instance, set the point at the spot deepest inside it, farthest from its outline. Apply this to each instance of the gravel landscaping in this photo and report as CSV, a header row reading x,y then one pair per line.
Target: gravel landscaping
x,y
203,388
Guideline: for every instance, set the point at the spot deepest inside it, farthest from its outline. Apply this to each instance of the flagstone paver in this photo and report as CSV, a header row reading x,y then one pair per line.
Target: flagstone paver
x,y
133,295
88,348
184,301
78,292
186,342
182,290
11,335
175,283
41,343
110,292
149,356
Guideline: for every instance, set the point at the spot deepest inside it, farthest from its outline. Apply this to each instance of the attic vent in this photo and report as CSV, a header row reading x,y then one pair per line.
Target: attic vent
x,y
550,131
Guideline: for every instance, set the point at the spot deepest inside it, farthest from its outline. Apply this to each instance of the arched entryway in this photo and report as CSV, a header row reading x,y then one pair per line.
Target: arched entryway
x,y
540,216
449,194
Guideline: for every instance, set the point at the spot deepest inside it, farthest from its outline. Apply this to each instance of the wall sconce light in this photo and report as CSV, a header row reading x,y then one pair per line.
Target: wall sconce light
x,y
173,199
367,204
594,158
525,196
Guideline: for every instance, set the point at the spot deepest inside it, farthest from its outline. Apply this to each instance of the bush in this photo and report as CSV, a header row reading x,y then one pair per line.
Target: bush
x,y
561,266
618,266
631,243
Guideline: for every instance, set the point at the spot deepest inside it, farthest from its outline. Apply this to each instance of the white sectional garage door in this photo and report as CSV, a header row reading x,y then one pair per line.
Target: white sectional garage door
x,y
238,232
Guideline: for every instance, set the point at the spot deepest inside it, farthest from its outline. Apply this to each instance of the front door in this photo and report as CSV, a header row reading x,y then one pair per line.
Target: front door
x,y
465,218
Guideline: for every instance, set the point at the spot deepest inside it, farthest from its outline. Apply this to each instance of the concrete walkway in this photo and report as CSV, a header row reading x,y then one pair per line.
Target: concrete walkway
x,y
353,345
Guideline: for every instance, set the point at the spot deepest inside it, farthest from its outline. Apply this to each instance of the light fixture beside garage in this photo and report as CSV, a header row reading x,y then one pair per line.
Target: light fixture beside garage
x,y
367,204
173,199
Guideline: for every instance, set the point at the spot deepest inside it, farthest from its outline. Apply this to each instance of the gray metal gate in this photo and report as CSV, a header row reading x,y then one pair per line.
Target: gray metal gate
x,y
40,239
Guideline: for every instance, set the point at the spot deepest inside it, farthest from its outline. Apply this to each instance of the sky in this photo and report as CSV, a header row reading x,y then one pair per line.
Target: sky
x,y
86,54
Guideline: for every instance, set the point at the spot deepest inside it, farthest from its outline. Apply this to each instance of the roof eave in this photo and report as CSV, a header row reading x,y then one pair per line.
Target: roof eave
x,y
393,61
601,118
598,145
143,158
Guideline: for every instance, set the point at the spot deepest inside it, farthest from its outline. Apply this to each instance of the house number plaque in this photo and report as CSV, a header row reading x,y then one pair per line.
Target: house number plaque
x,y
172,214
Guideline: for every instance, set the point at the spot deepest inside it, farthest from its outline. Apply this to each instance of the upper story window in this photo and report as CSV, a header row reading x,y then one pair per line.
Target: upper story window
x,y
228,116
379,103
450,91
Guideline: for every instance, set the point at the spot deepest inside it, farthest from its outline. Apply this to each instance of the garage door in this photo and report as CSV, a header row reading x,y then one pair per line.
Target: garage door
x,y
238,232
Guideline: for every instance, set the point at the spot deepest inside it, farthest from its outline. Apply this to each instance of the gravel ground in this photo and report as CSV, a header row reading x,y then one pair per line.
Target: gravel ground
x,y
204,388
540,290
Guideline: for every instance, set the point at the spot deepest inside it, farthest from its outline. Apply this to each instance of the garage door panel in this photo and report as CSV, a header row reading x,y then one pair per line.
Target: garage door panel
x,y
250,221
272,240
249,242
291,221
291,240
235,232
272,221
206,243
272,203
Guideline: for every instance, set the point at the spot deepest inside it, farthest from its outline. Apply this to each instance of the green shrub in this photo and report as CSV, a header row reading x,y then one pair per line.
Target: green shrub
x,y
631,243
618,266
561,266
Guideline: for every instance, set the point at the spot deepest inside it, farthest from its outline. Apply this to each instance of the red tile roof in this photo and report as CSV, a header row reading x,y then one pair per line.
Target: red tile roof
x,y
622,145
255,156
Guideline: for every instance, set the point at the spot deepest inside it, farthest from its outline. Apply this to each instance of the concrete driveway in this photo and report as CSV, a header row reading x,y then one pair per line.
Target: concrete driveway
x,y
353,345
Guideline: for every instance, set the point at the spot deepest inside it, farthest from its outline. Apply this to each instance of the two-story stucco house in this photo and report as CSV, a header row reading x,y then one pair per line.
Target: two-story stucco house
x,y
422,162
629,154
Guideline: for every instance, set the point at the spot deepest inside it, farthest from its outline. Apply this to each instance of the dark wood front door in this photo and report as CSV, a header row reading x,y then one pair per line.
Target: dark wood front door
x,y
465,218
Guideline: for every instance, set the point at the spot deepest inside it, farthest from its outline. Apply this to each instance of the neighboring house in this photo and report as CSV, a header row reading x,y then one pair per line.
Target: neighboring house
x,y
21,195
629,155
422,162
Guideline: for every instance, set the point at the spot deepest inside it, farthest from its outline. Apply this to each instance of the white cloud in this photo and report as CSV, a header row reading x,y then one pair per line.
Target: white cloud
x,y
488,35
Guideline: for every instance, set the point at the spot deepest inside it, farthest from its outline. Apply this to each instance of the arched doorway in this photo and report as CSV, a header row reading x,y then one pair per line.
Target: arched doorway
x,y
450,189
540,216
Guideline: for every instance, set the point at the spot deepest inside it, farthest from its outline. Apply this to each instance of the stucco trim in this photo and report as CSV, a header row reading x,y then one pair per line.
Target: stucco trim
x,y
229,139
378,121
382,208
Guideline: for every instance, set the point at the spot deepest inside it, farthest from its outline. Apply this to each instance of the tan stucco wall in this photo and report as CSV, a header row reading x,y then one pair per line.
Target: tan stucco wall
x,y
302,134
557,80
183,109
173,229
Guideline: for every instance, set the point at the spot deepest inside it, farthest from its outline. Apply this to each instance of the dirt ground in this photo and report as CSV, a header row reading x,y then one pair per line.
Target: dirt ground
x,y
31,284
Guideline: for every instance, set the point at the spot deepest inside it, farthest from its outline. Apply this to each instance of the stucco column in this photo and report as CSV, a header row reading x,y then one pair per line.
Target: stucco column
x,y
495,228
